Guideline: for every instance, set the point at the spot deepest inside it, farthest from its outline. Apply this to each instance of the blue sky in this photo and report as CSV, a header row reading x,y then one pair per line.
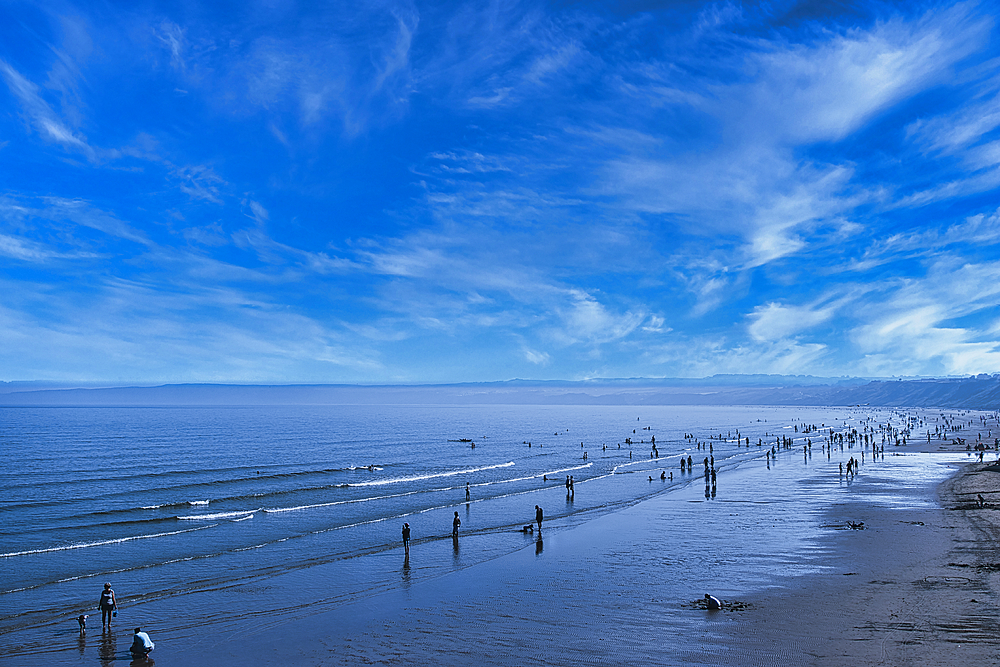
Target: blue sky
x,y
393,193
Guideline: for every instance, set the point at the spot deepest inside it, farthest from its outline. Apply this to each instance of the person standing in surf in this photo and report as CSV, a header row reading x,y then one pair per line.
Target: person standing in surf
x,y
538,517
455,523
406,539
108,605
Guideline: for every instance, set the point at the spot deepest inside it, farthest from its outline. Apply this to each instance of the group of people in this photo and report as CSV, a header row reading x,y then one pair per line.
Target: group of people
x,y
456,523
141,646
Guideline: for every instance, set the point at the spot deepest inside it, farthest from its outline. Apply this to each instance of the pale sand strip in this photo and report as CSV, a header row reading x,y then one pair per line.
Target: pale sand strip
x,y
918,587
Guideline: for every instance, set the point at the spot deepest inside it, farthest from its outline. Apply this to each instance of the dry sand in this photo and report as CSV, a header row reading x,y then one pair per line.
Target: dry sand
x,y
916,587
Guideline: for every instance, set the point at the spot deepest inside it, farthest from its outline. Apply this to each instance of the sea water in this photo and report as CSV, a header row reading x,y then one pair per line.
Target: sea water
x,y
223,516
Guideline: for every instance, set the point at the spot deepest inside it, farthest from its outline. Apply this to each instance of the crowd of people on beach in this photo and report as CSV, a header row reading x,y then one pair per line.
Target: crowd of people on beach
x,y
869,437
831,439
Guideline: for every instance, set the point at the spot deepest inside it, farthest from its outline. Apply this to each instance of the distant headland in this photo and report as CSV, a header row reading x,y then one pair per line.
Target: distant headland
x,y
980,392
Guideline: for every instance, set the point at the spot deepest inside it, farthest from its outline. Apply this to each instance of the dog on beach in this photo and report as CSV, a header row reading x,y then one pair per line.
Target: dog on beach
x,y
528,529
82,620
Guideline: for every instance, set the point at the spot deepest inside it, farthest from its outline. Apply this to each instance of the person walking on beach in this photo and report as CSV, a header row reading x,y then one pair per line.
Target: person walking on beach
x,y
406,539
538,517
455,523
141,644
108,605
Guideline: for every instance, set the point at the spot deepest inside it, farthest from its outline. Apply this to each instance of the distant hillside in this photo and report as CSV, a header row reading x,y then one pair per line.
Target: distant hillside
x,y
981,393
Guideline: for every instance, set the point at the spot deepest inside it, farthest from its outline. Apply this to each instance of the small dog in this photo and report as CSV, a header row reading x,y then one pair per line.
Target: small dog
x,y
528,529
82,620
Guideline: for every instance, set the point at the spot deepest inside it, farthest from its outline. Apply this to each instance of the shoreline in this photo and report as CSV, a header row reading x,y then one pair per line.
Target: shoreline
x,y
916,588
898,592
625,587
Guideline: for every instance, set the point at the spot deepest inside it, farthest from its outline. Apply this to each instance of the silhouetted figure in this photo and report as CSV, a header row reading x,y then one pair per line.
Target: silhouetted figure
x,y
455,523
406,539
538,517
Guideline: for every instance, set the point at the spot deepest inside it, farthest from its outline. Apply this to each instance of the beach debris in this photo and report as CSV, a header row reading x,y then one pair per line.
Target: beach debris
x,y
982,567
724,605
856,525
938,580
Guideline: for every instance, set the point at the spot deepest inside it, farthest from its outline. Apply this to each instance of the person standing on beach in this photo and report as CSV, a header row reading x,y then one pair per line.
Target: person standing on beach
x,y
108,605
538,517
466,490
455,523
406,539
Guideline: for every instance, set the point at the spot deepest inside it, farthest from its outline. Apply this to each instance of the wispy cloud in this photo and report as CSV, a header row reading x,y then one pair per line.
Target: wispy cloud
x,y
40,115
385,191
918,323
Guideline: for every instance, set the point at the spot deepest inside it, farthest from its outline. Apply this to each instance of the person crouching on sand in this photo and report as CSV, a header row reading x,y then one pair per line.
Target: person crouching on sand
x,y
141,644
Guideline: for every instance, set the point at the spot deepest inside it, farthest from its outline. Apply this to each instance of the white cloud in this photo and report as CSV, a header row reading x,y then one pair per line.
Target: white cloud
x,y
199,182
958,129
754,182
916,323
979,230
536,357
775,321
171,36
656,324
705,356
31,251
39,114
824,92
135,331
588,320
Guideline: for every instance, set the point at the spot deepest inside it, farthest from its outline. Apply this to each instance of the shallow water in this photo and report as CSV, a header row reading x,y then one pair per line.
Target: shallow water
x,y
242,517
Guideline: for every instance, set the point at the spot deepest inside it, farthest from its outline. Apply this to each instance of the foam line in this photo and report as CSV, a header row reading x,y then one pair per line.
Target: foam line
x,y
217,515
101,543
417,478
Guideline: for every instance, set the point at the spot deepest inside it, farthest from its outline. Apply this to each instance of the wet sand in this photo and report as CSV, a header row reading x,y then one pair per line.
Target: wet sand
x,y
915,586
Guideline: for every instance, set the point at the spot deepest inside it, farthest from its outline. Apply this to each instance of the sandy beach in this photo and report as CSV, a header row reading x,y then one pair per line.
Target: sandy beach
x,y
914,586
894,566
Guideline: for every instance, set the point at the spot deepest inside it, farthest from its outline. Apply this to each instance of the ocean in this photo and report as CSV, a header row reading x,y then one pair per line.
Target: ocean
x,y
234,518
